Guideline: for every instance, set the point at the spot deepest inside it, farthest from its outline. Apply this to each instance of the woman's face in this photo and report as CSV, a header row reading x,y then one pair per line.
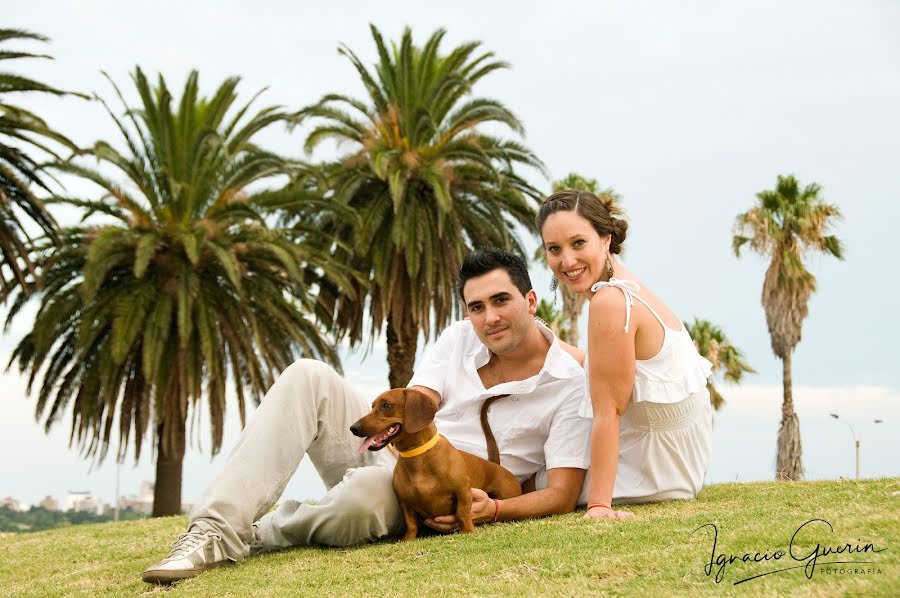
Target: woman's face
x,y
576,254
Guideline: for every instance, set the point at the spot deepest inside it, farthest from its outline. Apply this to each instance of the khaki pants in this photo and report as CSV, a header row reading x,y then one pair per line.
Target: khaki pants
x,y
308,410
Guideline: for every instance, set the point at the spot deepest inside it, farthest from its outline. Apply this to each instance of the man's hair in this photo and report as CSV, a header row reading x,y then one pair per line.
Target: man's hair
x,y
482,261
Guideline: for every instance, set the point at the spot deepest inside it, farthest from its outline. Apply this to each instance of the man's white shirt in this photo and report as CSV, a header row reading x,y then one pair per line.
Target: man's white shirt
x,y
537,427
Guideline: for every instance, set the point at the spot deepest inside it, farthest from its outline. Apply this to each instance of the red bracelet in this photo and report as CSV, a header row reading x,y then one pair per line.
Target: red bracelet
x,y
496,510
598,504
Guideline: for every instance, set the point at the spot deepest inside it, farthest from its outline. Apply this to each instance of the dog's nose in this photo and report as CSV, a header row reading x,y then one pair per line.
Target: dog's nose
x,y
356,429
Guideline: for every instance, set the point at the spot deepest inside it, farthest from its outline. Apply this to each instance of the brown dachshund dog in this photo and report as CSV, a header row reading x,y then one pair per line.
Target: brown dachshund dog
x,y
432,478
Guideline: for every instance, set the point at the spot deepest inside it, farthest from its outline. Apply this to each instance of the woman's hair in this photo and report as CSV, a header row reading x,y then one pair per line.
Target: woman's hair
x,y
600,211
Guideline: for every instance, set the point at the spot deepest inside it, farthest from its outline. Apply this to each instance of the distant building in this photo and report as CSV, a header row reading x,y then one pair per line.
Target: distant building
x,y
11,503
143,501
82,501
49,503
147,489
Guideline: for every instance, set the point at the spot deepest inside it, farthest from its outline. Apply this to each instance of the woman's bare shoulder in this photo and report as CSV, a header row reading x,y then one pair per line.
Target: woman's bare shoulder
x,y
606,305
574,351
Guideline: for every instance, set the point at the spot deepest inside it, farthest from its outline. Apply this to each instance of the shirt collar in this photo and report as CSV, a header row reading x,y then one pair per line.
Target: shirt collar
x,y
558,363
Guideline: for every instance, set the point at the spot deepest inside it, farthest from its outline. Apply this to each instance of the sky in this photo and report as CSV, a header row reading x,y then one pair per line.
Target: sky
x,y
686,109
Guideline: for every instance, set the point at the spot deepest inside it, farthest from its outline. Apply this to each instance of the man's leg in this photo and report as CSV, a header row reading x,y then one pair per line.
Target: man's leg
x,y
309,409
361,508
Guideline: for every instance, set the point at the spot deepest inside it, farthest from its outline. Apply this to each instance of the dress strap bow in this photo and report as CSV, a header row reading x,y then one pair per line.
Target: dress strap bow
x,y
628,288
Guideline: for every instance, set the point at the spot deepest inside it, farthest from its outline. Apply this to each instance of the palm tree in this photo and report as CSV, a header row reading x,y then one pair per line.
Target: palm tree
x,y
553,318
427,183
21,173
572,304
712,344
573,180
786,224
181,286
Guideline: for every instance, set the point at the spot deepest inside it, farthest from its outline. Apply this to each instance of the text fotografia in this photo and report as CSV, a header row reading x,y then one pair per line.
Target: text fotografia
x,y
839,559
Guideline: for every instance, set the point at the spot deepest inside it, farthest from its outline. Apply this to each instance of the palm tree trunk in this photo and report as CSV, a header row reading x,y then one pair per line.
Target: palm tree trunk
x,y
789,465
402,340
169,461
573,305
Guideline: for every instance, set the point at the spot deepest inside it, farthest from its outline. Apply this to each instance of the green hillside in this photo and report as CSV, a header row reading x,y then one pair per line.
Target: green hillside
x,y
654,555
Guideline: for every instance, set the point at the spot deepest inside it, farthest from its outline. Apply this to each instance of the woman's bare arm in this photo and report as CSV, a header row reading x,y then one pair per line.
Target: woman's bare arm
x,y
611,375
574,351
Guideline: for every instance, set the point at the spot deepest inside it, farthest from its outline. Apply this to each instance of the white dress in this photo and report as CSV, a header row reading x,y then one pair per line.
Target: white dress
x,y
665,432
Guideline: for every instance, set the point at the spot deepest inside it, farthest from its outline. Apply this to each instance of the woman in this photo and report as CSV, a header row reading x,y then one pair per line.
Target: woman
x,y
646,382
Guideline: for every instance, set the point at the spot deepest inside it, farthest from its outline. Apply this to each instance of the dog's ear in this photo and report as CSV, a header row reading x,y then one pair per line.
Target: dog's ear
x,y
418,413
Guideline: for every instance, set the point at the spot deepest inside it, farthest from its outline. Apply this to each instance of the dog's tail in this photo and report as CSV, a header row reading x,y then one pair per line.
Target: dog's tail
x,y
493,452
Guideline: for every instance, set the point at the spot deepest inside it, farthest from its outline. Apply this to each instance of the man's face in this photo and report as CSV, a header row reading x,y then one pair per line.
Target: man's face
x,y
501,316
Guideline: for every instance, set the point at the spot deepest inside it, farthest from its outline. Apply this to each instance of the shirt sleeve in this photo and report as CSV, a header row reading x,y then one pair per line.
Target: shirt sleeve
x,y
435,365
569,441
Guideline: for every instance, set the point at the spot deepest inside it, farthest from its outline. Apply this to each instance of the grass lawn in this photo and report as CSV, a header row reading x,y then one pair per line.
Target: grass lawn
x,y
654,555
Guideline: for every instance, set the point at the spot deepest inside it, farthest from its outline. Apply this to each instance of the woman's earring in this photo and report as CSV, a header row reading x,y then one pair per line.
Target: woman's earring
x,y
609,268
554,284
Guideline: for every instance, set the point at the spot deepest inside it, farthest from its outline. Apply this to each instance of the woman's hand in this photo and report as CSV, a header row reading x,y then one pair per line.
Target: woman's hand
x,y
483,509
604,512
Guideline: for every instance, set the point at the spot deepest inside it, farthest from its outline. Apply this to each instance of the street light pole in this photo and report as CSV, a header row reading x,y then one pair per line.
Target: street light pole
x,y
855,438
116,511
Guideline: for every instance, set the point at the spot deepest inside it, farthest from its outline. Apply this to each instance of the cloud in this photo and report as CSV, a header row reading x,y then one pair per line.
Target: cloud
x,y
684,112
814,400
746,429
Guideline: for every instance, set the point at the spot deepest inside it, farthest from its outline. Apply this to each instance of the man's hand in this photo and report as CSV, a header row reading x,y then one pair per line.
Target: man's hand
x,y
603,512
483,508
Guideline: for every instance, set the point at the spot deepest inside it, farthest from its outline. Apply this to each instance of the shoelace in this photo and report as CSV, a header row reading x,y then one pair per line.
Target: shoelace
x,y
189,541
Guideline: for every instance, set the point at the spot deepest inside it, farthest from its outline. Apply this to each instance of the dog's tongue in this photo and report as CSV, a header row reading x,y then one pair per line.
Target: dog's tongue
x,y
380,437
365,445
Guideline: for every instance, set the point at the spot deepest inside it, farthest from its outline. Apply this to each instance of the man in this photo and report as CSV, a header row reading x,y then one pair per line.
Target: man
x,y
500,349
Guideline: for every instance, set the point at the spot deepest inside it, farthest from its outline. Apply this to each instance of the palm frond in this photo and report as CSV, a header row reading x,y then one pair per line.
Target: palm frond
x,y
143,320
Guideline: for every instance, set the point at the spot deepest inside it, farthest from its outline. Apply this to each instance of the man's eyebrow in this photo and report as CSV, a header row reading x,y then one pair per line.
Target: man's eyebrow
x,y
501,295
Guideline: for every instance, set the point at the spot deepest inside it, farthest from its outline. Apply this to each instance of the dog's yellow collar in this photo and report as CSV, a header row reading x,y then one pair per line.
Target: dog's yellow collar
x,y
422,448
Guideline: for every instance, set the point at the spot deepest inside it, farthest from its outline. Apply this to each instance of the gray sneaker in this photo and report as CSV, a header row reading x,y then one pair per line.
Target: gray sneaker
x,y
193,552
